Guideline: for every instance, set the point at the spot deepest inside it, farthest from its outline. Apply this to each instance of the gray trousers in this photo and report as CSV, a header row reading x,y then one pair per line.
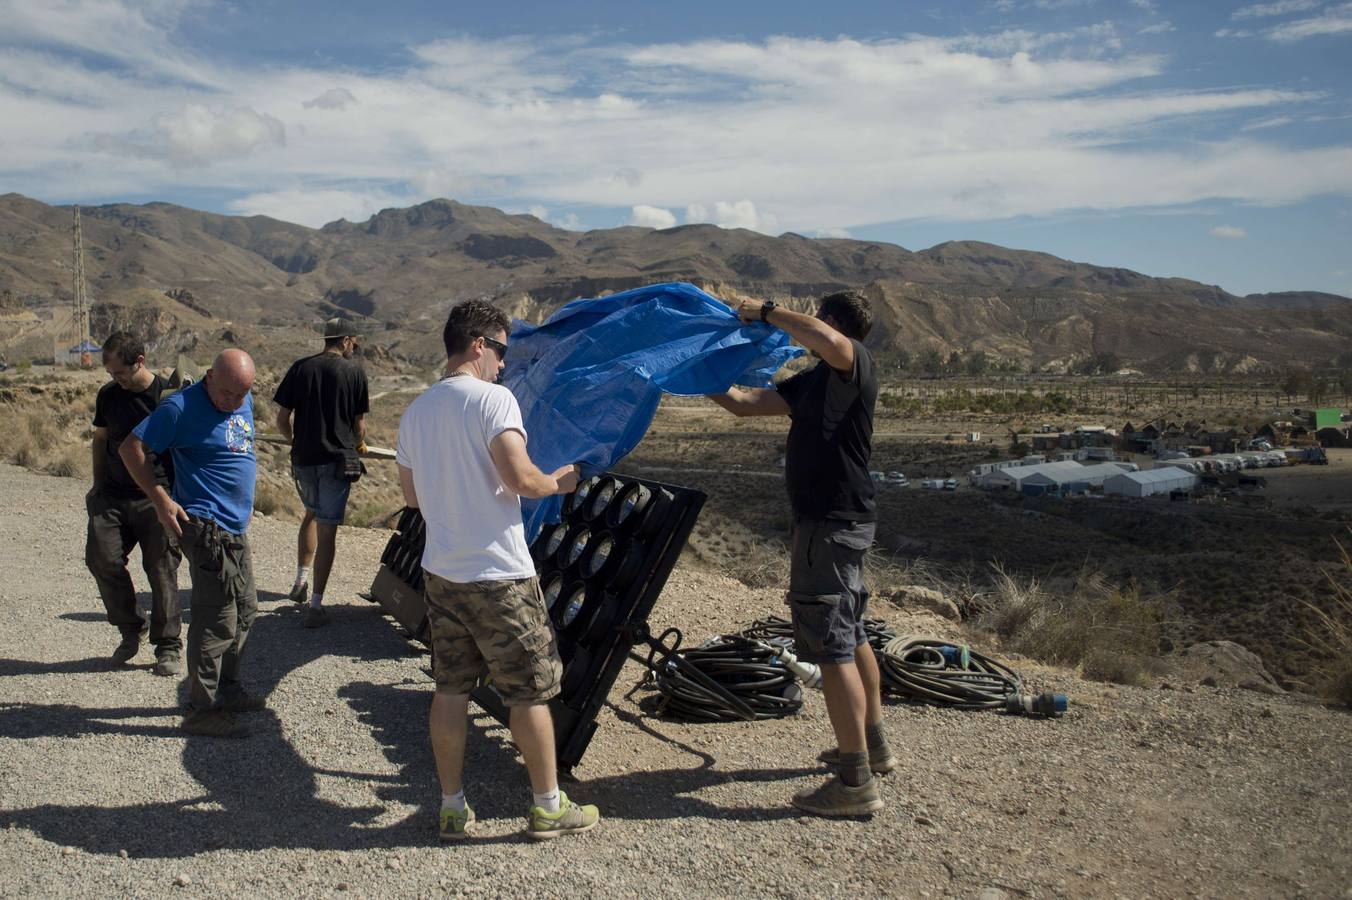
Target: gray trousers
x,y
115,527
224,603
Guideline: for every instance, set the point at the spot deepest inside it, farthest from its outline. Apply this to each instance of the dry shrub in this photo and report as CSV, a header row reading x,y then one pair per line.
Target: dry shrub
x,y
884,573
1112,632
764,565
42,428
373,513
269,499
1329,637
69,464
21,450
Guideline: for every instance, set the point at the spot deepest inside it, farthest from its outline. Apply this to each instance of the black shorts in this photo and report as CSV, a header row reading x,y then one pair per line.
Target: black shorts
x,y
827,597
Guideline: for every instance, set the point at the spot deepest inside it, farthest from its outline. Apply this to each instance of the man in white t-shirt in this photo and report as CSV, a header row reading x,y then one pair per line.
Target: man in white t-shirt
x,y
462,461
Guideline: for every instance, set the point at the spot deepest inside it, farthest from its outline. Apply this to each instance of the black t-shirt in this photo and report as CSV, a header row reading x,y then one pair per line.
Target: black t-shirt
x,y
831,440
327,393
120,410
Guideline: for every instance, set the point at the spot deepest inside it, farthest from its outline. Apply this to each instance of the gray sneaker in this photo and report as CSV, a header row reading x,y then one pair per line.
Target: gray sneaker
x,y
300,593
315,616
836,798
130,646
570,819
880,762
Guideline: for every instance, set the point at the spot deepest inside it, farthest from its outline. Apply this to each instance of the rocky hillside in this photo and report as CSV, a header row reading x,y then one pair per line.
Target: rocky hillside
x,y
266,281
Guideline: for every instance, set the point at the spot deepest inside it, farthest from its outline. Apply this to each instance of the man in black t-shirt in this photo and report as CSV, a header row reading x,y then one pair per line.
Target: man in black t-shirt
x,y
831,494
121,516
328,396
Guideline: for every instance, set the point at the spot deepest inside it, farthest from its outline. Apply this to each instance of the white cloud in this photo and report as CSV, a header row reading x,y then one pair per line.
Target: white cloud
x,y
1274,122
1229,231
197,135
316,206
652,217
1158,28
539,212
333,98
1334,20
1233,33
833,233
1062,4
137,36
824,134
736,214
1147,5
1280,8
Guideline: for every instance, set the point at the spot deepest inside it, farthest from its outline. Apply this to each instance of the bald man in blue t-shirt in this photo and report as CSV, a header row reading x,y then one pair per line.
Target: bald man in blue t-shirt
x,y
208,429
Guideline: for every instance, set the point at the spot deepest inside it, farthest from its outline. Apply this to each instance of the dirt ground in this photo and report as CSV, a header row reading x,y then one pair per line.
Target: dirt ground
x,y
1190,792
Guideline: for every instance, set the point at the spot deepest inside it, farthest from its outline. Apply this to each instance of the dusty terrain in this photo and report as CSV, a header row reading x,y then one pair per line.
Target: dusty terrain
x,y
1136,793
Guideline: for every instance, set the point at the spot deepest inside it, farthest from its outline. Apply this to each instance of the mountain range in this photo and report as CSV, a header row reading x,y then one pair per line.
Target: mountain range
x,y
186,277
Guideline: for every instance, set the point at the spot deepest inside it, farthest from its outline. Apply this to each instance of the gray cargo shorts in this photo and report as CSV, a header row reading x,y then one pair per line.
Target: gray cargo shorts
x,y
827,598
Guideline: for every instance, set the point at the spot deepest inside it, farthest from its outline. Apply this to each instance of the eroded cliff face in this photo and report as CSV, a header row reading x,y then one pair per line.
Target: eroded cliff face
x,y
162,331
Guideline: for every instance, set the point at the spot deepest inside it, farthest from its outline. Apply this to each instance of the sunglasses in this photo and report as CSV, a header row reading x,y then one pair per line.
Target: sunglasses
x,y
498,347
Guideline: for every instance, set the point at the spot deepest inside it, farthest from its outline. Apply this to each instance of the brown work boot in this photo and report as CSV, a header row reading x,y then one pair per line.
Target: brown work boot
x,y
879,761
836,798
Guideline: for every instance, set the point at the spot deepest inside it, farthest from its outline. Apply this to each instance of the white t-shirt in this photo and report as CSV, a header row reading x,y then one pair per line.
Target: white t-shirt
x,y
474,530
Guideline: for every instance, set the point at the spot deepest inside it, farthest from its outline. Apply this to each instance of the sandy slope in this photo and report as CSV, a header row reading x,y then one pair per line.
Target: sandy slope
x,y
1136,793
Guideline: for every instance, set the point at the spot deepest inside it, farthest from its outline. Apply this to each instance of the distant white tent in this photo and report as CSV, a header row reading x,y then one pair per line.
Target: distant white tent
x,y
1160,480
1077,478
1012,478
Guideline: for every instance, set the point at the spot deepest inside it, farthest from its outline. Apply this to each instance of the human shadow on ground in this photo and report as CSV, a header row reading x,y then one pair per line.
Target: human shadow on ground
x,y
84,617
62,667
260,792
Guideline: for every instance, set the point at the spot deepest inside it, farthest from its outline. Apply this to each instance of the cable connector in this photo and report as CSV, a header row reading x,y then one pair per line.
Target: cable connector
x,y
1046,705
808,673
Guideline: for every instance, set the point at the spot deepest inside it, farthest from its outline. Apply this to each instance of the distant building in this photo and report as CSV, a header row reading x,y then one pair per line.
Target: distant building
x,y
1150,481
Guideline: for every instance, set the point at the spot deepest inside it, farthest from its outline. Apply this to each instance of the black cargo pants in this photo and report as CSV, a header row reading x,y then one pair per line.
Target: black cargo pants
x,y
117,525
224,603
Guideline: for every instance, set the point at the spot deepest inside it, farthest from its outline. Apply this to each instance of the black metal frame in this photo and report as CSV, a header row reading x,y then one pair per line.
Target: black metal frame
x,y
398,589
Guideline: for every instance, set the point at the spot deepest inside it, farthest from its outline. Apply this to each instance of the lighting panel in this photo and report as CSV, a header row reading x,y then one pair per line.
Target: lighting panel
x,y
601,571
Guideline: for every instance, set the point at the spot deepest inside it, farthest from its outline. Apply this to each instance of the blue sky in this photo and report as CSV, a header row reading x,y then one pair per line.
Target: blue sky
x,y
1204,140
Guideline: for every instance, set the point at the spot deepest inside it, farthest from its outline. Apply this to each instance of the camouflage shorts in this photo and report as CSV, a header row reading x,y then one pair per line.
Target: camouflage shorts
x,y
496,626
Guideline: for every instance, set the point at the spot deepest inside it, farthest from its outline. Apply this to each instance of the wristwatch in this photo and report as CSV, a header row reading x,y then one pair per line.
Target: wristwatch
x,y
766,307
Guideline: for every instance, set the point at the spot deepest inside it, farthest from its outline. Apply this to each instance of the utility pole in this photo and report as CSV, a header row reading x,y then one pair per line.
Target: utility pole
x,y
81,313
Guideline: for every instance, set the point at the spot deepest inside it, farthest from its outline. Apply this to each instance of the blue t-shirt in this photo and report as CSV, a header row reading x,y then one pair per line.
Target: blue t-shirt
x,y
213,453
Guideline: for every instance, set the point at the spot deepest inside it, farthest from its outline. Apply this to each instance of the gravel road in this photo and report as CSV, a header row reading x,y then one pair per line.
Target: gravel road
x,y
1136,793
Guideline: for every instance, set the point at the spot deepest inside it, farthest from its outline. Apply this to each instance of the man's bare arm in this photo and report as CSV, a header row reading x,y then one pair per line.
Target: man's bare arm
x,y
283,423
133,454
814,334
522,476
752,402
406,483
100,450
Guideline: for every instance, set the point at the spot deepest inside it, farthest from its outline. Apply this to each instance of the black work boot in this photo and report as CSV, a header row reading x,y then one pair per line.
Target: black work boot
x,y
130,646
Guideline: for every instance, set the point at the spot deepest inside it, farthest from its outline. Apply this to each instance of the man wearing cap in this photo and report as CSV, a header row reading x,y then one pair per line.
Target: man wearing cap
x,y
327,395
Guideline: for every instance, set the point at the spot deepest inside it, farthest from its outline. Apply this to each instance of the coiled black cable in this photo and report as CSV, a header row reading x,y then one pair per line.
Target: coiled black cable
x,y
774,629
745,668
916,668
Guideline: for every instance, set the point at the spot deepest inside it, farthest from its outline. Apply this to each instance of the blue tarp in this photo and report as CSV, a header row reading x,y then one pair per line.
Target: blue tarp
x,y
589,379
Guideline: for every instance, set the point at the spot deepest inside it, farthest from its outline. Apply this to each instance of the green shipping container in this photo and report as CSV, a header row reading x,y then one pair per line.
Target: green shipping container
x,y
1327,418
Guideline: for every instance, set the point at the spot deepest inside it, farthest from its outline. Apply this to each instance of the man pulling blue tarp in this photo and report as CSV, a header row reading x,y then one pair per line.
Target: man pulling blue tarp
x,y
591,377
